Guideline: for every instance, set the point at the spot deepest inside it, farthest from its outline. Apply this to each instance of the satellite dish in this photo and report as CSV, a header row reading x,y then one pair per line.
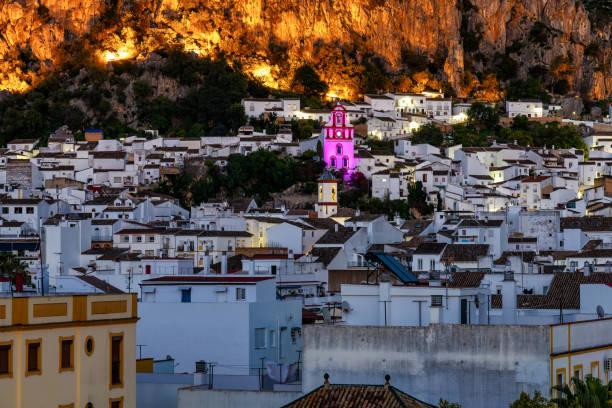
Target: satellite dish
x,y
600,312
345,307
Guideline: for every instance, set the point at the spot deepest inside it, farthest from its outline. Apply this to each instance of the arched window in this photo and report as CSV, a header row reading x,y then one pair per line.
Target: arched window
x,y
332,162
345,161
339,149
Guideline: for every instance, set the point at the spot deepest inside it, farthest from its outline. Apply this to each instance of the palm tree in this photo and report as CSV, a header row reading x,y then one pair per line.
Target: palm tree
x,y
587,393
11,266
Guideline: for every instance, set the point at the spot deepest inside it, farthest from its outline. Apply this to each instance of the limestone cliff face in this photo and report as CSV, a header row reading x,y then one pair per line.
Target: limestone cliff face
x,y
271,38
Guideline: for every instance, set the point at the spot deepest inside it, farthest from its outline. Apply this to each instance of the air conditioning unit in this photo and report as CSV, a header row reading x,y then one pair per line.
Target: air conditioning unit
x,y
607,364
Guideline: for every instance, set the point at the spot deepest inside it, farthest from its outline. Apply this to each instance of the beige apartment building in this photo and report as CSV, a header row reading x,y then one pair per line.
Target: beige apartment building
x,y
74,351
578,349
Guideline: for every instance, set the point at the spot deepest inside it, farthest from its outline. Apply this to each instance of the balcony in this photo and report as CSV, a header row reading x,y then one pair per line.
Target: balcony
x,y
102,237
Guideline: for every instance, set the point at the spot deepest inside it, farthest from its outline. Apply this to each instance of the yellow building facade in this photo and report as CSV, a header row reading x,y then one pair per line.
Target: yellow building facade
x,y
578,349
68,351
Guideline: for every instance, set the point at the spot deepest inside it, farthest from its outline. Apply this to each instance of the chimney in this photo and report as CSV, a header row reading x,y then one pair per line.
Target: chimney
x,y
206,263
509,298
224,263
387,378
251,266
588,269
326,377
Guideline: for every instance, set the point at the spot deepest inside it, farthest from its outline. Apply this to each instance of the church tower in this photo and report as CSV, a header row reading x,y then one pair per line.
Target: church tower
x,y
338,147
327,203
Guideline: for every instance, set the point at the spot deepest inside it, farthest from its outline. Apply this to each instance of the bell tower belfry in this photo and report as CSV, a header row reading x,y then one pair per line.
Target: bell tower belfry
x,y
327,202
338,148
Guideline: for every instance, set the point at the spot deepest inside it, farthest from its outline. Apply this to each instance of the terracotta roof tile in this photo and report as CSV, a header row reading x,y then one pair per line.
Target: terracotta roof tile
x,y
357,396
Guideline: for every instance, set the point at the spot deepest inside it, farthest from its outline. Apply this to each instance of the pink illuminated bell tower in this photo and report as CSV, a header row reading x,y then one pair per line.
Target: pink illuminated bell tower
x,y
338,147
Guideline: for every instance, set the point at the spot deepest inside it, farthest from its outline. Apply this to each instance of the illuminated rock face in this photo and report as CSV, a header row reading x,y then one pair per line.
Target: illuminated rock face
x,y
272,38
338,142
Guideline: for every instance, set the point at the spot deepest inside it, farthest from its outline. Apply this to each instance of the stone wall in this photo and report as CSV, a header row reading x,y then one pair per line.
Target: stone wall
x,y
476,366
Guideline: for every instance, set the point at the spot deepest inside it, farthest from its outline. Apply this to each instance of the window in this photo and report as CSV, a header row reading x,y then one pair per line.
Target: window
x,y
29,210
561,377
436,300
66,348
578,371
296,332
125,238
240,293
116,366
333,162
320,192
6,359
33,365
185,295
420,264
5,210
152,238
345,162
432,264
89,345
339,149
260,338
115,403
595,369
18,210
424,177
272,338
138,238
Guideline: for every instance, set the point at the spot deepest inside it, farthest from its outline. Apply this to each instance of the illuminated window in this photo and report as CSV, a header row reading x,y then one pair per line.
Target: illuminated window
x,y
320,192
333,191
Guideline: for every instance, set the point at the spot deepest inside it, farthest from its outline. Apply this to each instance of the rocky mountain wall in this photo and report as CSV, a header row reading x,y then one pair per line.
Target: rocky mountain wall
x,y
272,38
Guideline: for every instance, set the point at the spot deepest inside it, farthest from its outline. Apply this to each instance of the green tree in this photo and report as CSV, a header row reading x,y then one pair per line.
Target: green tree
x,y
428,133
529,88
483,115
11,266
142,89
526,401
306,81
417,198
587,393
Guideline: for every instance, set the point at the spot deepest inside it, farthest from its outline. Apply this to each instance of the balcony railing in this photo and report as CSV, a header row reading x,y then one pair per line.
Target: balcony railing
x,y
102,237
